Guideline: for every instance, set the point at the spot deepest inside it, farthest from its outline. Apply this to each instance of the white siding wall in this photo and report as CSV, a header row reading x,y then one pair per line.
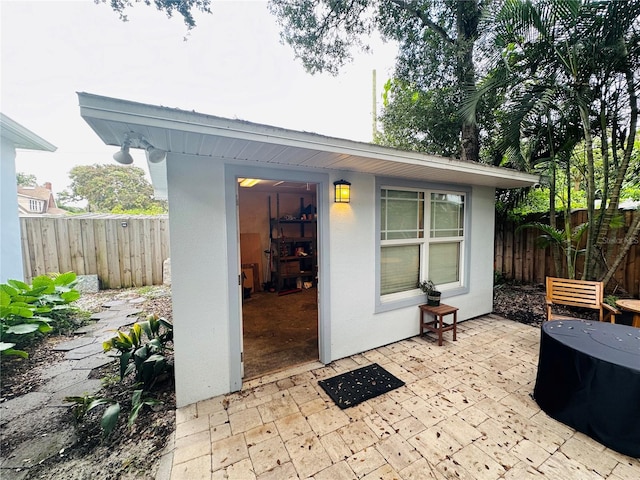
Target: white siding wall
x,y
10,246
200,287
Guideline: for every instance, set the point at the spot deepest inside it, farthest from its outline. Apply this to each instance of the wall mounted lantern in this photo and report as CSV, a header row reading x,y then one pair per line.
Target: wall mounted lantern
x,y
343,191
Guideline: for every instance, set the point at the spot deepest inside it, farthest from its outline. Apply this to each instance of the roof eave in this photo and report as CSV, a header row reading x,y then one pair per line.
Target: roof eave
x,y
22,137
98,110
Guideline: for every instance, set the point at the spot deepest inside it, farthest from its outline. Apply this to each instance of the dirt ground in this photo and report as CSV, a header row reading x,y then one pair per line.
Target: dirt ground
x,y
134,452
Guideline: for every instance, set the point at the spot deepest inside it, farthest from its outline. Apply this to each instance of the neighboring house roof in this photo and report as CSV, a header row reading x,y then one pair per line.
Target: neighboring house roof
x,y
21,137
37,200
192,133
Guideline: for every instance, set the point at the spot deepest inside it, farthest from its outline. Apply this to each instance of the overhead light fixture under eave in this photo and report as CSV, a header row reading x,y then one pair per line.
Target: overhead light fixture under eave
x,y
248,182
154,155
123,156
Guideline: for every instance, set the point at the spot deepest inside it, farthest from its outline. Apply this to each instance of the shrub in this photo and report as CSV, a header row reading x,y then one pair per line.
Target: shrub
x,y
144,359
28,311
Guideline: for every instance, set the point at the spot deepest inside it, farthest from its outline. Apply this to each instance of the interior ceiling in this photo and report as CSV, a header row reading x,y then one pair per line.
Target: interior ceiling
x,y
282,186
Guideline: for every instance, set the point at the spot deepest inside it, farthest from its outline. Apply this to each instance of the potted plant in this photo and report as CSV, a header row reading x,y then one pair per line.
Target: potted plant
x,y
433,295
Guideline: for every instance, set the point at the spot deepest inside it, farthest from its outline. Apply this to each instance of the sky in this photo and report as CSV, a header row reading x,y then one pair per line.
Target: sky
x,y
231,65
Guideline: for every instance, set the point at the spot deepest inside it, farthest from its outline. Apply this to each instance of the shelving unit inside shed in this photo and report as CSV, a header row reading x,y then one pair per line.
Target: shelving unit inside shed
x,y
294,247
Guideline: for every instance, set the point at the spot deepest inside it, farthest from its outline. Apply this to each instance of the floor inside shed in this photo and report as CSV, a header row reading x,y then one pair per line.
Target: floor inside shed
x,y
279,331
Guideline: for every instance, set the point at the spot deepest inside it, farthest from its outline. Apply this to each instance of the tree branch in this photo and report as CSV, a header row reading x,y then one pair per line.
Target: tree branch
x,y
426,21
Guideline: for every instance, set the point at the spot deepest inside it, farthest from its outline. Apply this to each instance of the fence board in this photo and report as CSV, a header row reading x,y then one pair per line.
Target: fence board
x,y
63,246
164,245
36,255
124,250
147,258
517,257
113,255
135,242
75,245
26,251
508,253
48,232
156,252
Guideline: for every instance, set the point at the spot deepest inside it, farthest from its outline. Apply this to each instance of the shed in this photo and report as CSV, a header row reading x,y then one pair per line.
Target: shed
x,y
410,217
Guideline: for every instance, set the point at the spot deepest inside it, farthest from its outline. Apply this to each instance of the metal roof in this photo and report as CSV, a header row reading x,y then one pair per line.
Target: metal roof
x,y
223,139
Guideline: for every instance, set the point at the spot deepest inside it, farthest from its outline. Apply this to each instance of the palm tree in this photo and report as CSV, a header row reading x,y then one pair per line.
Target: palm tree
x,y
559,63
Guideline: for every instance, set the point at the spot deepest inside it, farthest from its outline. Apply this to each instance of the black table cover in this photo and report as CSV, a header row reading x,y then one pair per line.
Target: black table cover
x,y
589,378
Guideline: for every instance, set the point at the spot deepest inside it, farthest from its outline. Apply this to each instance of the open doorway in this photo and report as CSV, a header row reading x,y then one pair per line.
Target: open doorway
x,y
278,250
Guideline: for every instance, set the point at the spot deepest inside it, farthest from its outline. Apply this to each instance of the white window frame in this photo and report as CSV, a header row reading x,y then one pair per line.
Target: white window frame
x,y
416,296
35,205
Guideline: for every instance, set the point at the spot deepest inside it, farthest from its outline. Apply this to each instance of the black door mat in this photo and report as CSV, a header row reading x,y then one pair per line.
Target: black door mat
x,y
354,387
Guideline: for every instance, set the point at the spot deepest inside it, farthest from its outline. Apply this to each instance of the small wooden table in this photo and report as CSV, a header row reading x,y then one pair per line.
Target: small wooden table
x,y
437,325
633,306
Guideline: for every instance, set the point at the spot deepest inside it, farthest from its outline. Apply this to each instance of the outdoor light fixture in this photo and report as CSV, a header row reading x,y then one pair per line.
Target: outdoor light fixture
x,y
343,191
154,155
123,156
135,140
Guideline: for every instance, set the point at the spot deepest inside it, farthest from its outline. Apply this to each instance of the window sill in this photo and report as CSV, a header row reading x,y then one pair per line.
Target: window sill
x,y
414,300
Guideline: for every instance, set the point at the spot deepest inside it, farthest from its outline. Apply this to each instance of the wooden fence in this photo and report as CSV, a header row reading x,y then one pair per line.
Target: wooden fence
x,y
518,258
124,251
128,251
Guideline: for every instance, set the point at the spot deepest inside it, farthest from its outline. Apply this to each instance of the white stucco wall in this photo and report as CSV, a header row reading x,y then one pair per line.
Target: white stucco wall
x,y
203,257
200,287
355,325
10,246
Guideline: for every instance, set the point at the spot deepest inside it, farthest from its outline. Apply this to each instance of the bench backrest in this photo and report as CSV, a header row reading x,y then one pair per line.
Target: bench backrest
x,y
576,293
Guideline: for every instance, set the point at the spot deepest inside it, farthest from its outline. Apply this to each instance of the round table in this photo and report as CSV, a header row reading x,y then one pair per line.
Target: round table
x,y
589,378
633,306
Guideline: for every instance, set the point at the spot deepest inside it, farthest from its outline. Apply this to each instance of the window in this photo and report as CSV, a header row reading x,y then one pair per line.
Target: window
x,y
35,205
408,253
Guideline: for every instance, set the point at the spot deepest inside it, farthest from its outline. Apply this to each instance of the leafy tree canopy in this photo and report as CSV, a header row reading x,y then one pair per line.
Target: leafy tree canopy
x,y
112,188
184,8
436,39
419,120
26,179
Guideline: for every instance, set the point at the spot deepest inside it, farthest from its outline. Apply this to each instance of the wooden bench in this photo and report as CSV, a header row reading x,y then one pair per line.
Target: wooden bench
x,y
578,293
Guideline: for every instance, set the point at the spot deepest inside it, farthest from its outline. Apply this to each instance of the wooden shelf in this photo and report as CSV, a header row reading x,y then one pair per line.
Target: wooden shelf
x,y
288,266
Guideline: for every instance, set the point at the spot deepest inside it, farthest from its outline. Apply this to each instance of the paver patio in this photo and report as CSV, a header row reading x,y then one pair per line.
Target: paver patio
x,y
464,413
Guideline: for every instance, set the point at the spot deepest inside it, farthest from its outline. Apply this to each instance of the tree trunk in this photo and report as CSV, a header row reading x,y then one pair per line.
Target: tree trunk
x,y
629,239
468,17
591,234
614,198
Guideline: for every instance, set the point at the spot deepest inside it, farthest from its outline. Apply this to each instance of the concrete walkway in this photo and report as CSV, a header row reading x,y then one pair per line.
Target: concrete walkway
x,y
67,378
465,413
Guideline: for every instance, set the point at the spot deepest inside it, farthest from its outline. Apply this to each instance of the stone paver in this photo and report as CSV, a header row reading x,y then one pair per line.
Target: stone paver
x,y
84,352
75,343
22,405
465,412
